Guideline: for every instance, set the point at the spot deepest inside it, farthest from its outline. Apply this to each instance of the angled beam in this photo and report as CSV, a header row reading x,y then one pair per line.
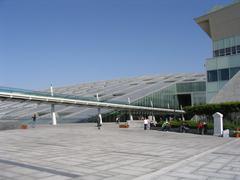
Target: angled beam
x,y
71,101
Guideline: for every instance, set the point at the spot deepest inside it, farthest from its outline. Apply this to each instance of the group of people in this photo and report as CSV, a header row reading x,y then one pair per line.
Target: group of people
x,y
149,123
201,126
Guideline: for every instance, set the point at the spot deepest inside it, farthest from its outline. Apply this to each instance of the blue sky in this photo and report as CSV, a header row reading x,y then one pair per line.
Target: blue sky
x,y
67,42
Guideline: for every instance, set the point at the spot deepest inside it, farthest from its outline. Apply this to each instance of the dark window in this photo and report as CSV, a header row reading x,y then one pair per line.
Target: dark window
x,y
212,76
216,53
238,49
223,74
234,71
234,50
228,51
222,52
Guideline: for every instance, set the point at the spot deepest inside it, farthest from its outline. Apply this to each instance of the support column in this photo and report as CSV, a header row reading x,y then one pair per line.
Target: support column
x,y
152,109
99,111
53,113
183,119
131,117
130,114
100,116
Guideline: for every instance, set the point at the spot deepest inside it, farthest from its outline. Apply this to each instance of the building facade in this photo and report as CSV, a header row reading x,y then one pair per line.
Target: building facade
x,y
223,26
166,91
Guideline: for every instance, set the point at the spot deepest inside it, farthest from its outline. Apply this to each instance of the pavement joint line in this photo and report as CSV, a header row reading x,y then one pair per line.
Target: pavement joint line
x,y
135,154
49,144
52,171
180,163
227,154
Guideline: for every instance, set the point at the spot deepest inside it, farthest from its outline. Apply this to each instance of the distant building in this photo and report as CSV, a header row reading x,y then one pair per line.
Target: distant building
x,y
222,25
166,91
221,83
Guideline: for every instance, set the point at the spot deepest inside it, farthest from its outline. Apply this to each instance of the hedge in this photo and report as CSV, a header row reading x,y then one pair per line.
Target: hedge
x,y
210,109
193,124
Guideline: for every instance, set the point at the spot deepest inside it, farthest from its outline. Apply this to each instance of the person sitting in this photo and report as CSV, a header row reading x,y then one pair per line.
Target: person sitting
x,y
166,126
153,123
184,127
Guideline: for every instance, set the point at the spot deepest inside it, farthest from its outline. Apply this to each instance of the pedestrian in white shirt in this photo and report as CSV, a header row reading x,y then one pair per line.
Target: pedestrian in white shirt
x,y
145,121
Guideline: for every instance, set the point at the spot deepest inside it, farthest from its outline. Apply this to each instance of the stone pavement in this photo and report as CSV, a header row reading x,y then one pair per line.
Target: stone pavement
x,y
82,152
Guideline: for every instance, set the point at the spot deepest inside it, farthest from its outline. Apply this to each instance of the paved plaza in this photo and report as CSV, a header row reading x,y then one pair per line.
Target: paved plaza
x,y
81,151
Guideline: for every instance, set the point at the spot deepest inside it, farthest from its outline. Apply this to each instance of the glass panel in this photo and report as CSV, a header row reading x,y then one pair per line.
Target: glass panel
x,y
199,98
191,87
223,74
234,50
233,71
222,52
216,53
212,76
164,98
228,51
238,49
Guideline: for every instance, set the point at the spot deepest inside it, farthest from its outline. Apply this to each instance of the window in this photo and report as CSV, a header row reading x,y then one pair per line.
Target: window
x,y
169,81
133,84
223,74
118,94
151,82
212,76
228,51
222,52
234,71
234,50
149,79
216,53
189,80
238,49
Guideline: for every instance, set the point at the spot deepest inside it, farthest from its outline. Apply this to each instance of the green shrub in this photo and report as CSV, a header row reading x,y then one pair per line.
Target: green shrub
x,y
175,123
210,125
210,109
229,125
191,124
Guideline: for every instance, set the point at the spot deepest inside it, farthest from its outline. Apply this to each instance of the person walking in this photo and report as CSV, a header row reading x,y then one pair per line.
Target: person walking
x,y
145,121
204,127
117,120
34,118
200,128
98,123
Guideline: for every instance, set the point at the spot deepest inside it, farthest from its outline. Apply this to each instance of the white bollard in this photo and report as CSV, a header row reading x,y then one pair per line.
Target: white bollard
x,y
218,124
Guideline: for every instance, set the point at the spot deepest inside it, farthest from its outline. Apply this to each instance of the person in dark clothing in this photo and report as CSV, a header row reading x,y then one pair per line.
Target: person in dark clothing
x,y
204,127
98,123
34,118
184,127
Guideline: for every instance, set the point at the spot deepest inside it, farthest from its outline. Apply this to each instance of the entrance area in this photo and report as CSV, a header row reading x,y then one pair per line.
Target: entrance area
x,y
184,99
